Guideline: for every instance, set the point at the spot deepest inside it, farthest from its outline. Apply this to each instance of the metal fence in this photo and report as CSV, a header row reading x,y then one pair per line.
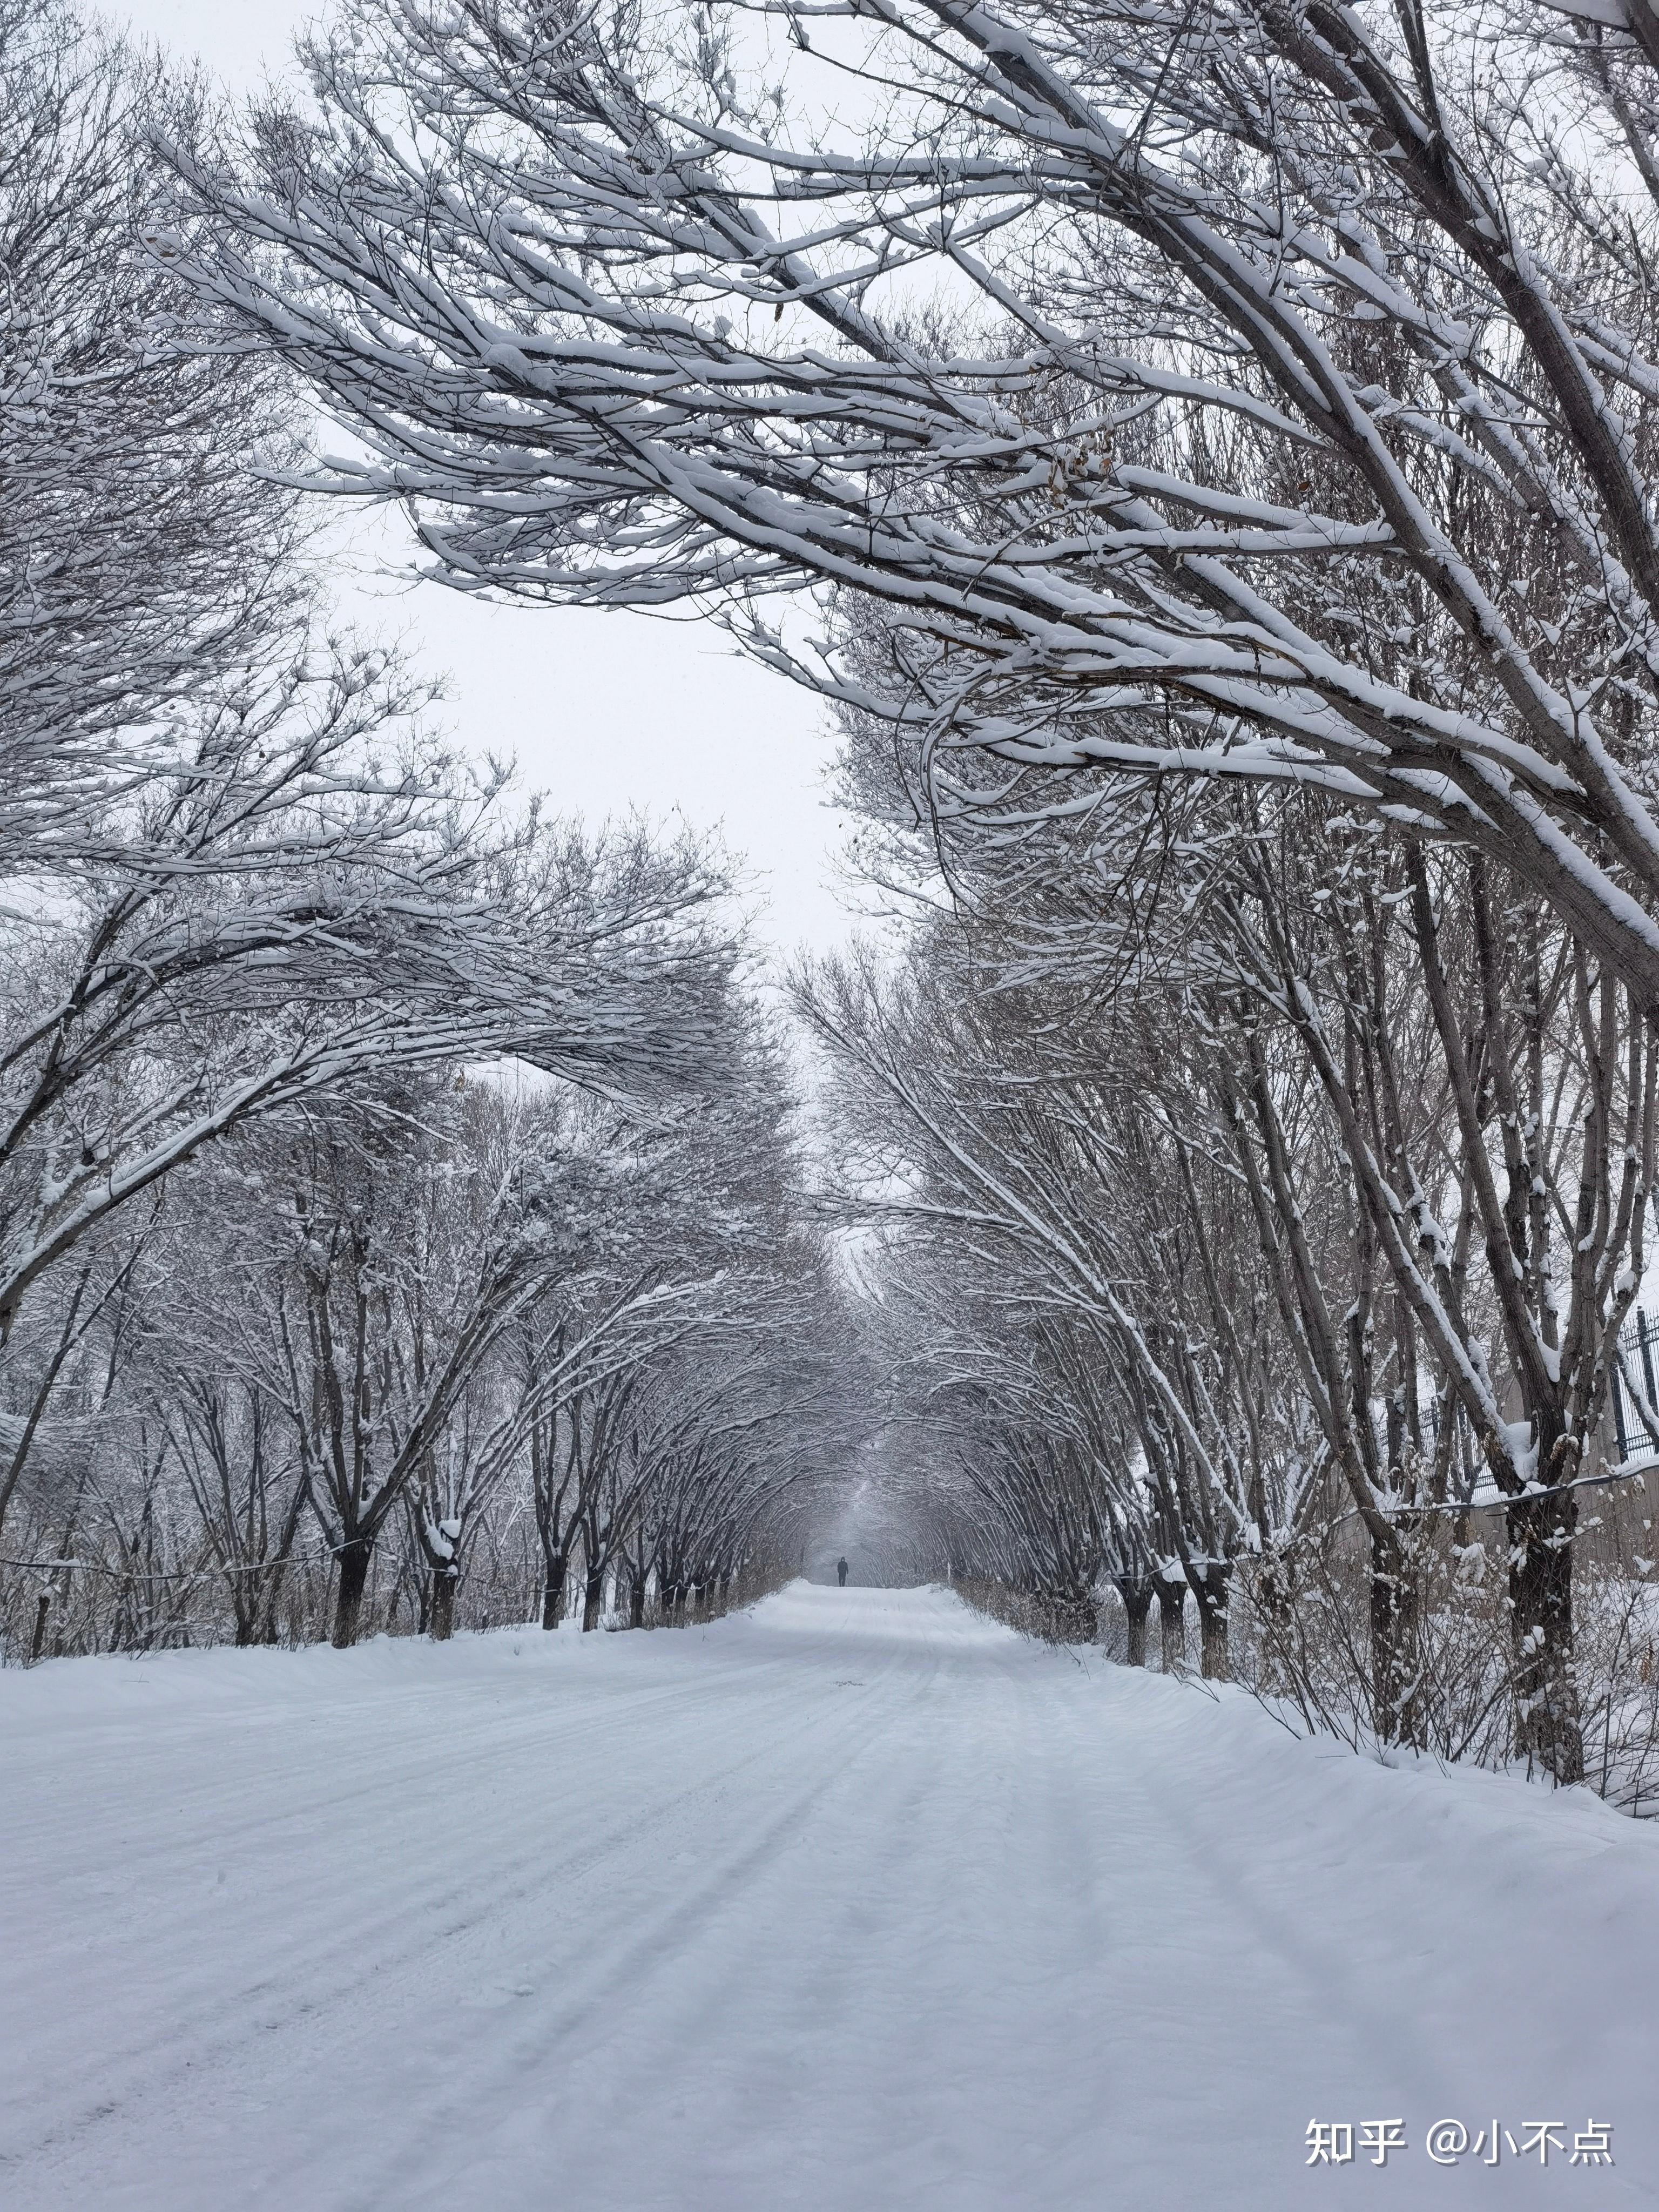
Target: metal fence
x,y
1638,1347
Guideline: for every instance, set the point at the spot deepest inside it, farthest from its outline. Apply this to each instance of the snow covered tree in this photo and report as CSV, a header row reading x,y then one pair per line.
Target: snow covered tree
x,y
1525,1132
140,560
1261,394
977,1113
655,1459
240,876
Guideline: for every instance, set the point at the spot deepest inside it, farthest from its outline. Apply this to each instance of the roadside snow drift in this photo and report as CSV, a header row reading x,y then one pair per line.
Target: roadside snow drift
x,y
857,1901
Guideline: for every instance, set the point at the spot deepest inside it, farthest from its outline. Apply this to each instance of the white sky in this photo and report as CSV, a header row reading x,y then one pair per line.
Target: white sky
x,y
603,712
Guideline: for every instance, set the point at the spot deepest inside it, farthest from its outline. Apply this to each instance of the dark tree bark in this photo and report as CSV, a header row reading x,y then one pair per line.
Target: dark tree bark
x,y
1136,1591
593,1600
1172,1620
354,1561
1210,1587
269,1631
1547,1727
553,1588
1395,1606
445,1580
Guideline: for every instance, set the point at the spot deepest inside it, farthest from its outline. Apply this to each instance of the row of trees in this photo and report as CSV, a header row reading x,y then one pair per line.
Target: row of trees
x,y
452,1352
1263,395
1218,450
1272,1230
1217,459
387,1169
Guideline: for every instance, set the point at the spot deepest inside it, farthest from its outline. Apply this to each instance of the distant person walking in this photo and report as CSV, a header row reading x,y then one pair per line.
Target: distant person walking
x,y
841,1572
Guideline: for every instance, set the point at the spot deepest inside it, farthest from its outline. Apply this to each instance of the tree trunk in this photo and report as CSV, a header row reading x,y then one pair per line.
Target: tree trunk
x,y
1213,1579
1547,1727
636,1602
593,1600
553,1591
355,1558
1137,1595
1214,1663
1395,1611
1172,1622
244,1601
42,1613
269,1631
445,1583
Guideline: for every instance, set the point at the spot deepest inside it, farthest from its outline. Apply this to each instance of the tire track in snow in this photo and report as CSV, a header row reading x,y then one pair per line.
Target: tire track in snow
x,y
316,1991
862,1896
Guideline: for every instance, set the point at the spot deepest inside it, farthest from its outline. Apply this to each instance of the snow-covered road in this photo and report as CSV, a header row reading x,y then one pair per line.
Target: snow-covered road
x,y
858,1901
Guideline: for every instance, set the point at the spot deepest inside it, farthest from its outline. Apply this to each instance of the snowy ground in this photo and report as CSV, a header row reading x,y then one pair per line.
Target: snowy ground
x,y
856,1902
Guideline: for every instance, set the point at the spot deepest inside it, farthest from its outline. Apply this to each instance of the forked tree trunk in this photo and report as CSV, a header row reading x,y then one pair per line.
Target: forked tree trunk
x,y
1213,1580
593,1601
1272,1599
270,1628
1214,1663
1396,1604
354,1559
553,1591
244,1601
1548,1727
1137,1595
445,1580
1172,1622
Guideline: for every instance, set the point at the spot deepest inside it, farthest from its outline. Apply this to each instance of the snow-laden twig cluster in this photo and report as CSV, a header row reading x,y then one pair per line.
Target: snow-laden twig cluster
x,y
1261,394
362,1129
1265,1204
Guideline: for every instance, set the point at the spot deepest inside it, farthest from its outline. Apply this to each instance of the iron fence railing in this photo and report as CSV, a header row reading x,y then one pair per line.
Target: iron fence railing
x,y
1638,1347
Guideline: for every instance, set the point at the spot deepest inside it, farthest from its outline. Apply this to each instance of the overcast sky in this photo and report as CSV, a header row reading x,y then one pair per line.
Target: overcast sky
x,y
602,711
